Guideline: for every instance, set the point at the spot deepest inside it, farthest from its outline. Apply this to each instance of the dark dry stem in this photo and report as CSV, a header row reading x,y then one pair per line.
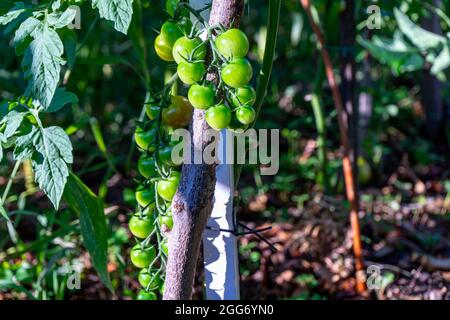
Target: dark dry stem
x,y
346,163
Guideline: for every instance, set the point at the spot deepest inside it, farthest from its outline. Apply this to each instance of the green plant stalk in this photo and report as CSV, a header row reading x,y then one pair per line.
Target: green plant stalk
x,y
321,139
266,70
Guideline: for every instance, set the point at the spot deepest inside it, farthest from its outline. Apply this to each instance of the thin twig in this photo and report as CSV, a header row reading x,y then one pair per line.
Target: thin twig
x,y
346,163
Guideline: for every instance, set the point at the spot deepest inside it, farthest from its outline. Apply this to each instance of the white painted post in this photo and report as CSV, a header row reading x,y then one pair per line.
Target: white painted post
x,y
220,247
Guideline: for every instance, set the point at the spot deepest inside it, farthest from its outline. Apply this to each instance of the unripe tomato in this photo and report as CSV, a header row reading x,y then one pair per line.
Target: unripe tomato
x,y
147,166
144,295
163,49
235,125
142,258
161,288
165,156
185,49
168,188
152,111
245,114
201,96
237,73
232,43
190,72
145,138
243,96
179,113
185,24
145,197
166,220
152,281
165,246
141,227
171,32
218,117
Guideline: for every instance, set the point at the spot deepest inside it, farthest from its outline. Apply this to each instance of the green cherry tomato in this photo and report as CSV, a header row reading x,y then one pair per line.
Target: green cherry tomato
x,y
152,111
161,288
165,245
141,227
141,258
218,117
232,43
245,114
144,295
244,96
237,73
165,156
190,72
201,96
168,188
185,49
145,197
146,138
163,49
147,166
171,32
179,113
166,220
235,125
152,281
185,25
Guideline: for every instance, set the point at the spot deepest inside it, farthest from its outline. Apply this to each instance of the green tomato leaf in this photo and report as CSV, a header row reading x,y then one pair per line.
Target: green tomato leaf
x,y
13,121
61,99
24,148
89,208
12,14
442,61
117,11
420,37
23,34
50,167
50,151
42,64
62,19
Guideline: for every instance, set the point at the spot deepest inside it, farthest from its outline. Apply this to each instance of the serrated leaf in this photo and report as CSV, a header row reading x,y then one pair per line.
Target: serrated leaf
x,y
93,224
395,53
62,19
117,11
61,99
50,165
42,64
12,14
23,34
13,122
442,61
420,37
24,148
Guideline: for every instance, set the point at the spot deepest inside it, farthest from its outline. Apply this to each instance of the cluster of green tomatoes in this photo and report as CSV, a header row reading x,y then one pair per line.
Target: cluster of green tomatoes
x,y
228,103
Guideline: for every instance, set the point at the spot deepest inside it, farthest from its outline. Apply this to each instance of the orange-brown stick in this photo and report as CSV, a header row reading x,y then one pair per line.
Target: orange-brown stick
x,y
346,163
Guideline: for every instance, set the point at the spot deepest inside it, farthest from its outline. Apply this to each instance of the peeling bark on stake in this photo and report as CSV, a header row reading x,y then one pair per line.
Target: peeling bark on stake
x,y
192,205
